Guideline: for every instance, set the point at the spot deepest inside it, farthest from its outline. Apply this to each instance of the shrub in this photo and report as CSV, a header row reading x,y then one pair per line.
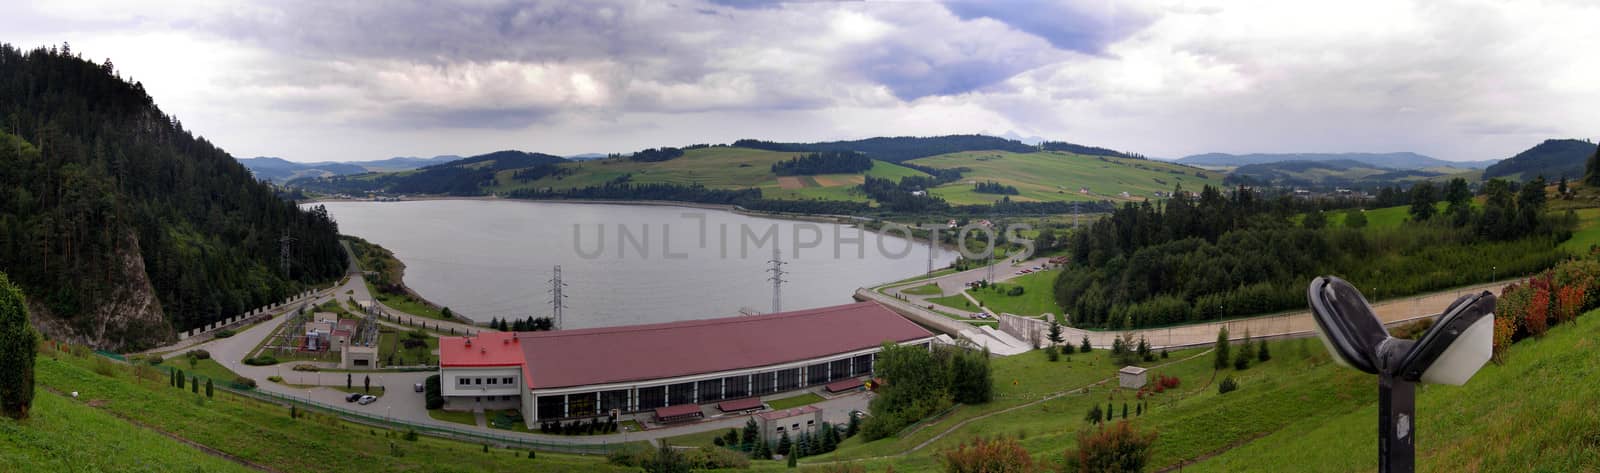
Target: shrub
x,y
154,360
1262,354
1538,312
1052,355
198,354
715,458
275,379
305,368
411,435
999,455
1221,349
244,382
1228,385
432,395
1118,448
1412,330
263,360
1504,329
225,333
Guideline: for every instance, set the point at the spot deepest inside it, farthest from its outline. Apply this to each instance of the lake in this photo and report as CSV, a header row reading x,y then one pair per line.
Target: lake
x,y
623,264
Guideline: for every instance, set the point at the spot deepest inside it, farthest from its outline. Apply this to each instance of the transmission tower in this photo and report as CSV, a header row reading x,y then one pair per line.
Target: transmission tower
x,y
284,253
558,300
1074,215
777,279
933,245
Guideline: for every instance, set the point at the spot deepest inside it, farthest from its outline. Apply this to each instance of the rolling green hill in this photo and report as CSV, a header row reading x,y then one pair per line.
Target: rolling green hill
x,y
1058,176
1551,159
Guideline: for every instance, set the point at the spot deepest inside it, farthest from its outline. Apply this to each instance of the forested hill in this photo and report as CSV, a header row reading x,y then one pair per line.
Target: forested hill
x,y
466,176
899,148
121,226
1552,159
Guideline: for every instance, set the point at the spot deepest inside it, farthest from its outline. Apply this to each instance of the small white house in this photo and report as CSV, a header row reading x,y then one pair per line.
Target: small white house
x,y
1131,377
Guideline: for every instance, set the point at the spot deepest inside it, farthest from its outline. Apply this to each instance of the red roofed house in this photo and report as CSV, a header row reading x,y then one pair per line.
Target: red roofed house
x,y
589,372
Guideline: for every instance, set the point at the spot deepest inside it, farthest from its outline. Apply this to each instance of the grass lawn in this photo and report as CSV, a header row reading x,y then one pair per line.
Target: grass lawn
x,y
390,343
463,418
206,368
924,290
795,401
934,274
957,302
701,439
1038,296
254,431
62,434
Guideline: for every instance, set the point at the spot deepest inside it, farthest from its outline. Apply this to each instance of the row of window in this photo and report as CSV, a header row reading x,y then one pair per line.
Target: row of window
x,y
467,381
711,390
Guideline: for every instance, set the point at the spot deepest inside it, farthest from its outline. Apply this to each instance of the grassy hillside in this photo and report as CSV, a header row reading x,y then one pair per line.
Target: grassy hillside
x,y
67,435
256,432
1535,413
1056,176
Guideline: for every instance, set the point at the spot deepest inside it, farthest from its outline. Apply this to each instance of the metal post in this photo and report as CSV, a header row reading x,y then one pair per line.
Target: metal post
x,y
1397,410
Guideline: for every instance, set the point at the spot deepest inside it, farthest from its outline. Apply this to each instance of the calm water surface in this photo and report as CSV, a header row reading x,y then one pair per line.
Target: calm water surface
x,y
623,264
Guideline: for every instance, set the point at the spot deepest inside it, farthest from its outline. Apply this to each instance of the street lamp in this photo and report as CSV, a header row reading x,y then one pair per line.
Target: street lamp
x,y
1450,352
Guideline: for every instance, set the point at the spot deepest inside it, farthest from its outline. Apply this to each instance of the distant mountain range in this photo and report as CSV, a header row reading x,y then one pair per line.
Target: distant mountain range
x,y
280,170
1338,173
1551,159
1404,160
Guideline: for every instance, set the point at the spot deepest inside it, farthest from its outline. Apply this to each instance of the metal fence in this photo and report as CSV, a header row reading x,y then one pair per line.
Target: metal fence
x,y
464,435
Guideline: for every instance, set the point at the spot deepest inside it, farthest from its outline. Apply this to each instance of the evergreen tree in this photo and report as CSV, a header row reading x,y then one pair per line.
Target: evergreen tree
x,y
194,384
763,452
18,346
1055,333
1221,349
793,461
348,380
751,432
1094,414
181,378
731,439
1138,410
1124,410
854,427
1261,352
208,388
1591,169
366,384
783,444
1110,412
1085,347
1562,187
830,438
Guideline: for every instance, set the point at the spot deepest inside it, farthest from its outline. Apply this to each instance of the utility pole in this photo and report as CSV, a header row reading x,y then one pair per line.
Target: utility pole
x,y
558,300
777,279
933,245
1074,215
283,252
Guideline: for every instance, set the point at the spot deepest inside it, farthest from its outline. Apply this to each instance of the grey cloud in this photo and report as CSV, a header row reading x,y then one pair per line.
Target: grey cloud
x,y
1082,26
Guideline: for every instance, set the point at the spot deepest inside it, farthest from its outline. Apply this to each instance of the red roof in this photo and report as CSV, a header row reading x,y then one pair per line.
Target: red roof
x,y
678,410
740,404
844,384
583,357
485,349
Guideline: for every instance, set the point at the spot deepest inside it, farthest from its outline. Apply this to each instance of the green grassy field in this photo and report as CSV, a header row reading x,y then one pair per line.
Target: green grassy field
x,y
924,290
254,431
1054,176
700,439
1588,233
458,417
795,401
66,435
1038,296
389,345
956,302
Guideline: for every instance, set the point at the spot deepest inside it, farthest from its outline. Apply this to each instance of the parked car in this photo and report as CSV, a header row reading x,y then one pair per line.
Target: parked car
x,y
367,400
353,397
417,387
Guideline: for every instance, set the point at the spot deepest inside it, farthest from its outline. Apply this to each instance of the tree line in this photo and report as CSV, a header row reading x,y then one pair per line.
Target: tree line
x,y
1218,255
825,162
992,187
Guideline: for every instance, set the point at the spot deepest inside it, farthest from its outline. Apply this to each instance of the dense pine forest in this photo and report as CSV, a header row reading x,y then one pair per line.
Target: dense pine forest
x,y
1222,254
95,182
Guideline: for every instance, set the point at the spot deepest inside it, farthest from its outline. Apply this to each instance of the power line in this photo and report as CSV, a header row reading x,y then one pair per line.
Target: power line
x,y
558,301
284,253
777,279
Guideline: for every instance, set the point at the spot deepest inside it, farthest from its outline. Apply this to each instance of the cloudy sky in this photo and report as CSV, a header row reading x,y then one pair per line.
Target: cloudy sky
x,y
312,81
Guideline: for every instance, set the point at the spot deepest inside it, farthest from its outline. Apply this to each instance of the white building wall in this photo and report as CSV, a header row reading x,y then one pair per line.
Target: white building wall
x,y
478,379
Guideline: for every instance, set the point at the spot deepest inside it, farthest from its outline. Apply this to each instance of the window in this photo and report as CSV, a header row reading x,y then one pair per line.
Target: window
x,y
810,423
463,381
494,381
509,381
477,381
797,426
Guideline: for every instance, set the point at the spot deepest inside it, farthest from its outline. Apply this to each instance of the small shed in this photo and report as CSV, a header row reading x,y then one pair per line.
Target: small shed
x,y
1131,377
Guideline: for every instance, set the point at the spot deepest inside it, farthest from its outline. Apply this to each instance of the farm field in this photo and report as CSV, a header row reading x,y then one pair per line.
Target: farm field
x,y
1056,176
